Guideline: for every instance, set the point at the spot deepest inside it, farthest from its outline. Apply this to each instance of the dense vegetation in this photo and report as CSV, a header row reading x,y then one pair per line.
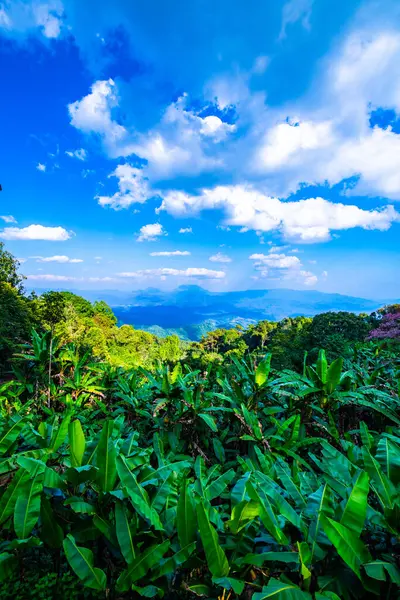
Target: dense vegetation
x,y
237,467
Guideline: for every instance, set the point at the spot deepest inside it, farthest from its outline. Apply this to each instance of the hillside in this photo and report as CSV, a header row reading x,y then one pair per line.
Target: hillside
x,y
191,311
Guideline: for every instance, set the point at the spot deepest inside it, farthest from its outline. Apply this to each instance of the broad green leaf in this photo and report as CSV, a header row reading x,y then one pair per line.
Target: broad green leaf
x,y
379,482
355,511
164,491
229,583
199,589
51,478
124,533
219,450
258,560
171,564
106,457
141,565
320,503
388,456
322,366
10,433
59,434
263,370
279,590
82,562
216,558
12,492
137,494
51,532
352,550
333,375
27,506
305,559
8,564
215,489
149,591
76,443
210,421
243,514
267,514
377,568
78,475
186,521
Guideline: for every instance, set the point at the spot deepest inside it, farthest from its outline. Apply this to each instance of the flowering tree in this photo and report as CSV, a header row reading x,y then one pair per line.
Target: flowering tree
x,y
389,328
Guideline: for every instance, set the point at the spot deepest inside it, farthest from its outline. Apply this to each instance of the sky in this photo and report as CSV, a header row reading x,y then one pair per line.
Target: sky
x,y
228,145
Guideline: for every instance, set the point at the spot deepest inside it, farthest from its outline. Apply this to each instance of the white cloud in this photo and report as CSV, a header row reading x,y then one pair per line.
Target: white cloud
x,y
151,232
50,277
289,141
199,273
133,188
48,17
8,218
282,267
186,230
35,232
57,259
173,253
221,258
276,261
80,154
293,11
309,278
20,17
41,167
93,114
309,220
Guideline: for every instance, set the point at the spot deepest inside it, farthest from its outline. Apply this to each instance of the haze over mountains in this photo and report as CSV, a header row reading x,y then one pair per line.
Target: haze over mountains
x,y
190,310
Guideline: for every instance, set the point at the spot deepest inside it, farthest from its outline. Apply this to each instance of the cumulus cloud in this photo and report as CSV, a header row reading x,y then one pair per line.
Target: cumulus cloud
x,y
48,18
276,261
36,232
80,154
8,219
309,278
198,273
186,230
151,232
57,259
182,142
133,188
309,220
221,258
173,253
283,267
41,167
20,17
93,115
287,140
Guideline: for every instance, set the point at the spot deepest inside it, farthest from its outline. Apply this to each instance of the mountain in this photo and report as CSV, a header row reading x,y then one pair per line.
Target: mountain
x,y
191,311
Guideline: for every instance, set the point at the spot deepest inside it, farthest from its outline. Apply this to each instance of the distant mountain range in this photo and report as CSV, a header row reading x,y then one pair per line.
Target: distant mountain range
x,y
190,311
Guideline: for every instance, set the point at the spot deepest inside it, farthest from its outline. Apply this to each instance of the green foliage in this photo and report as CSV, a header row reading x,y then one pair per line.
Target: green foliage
x,y
239,481
127,472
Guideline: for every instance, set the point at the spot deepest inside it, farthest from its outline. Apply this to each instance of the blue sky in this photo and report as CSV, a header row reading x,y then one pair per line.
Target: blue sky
x,y
226,145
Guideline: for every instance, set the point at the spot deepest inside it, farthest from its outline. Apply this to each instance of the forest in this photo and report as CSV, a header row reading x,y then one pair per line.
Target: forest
x,y
256,463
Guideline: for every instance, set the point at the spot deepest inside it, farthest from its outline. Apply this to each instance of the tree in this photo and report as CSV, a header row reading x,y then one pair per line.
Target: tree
x,y
15,321
257,335
9,266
